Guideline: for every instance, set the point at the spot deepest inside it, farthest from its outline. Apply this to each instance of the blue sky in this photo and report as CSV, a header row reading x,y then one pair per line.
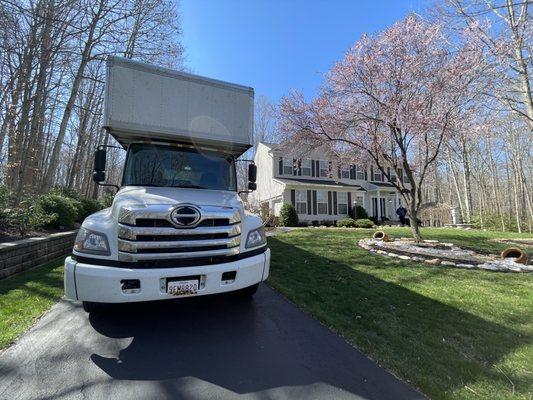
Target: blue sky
x,y
276,46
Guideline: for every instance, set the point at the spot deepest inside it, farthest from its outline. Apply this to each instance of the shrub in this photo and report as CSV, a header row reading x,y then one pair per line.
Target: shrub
x,y
6,200
26,217
360,212
107,200
6,197
346,223
88,207
84,205
60,211
327,223
364,223
66,192
288,215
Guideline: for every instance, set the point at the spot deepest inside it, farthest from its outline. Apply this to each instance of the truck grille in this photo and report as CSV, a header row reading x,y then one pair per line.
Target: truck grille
x,y
147,233
159,223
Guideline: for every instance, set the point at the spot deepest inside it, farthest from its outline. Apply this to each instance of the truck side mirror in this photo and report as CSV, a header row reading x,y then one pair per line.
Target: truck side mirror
x,y
252,185
99,160
252,173
98,176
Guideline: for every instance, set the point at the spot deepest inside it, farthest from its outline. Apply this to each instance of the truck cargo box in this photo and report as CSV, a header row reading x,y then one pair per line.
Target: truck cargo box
x,y
146,102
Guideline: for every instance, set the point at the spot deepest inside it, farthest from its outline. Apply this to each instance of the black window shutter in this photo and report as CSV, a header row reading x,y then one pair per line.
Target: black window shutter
x,y
294,166
299,167
312,167
335,203
293,197
330,209
352,171
349,204
317,167
372,173
339,171
280,166
309,203
366,174
314,202
330,170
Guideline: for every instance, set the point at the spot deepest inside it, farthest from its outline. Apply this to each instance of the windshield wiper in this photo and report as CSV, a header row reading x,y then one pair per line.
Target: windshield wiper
x,y
189,186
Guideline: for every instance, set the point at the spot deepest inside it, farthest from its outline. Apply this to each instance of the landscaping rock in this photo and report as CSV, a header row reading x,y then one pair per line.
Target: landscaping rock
x,y
460,265
448,263
433,252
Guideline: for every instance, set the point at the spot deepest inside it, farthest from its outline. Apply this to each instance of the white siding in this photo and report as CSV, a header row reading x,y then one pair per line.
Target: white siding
x,y
267,189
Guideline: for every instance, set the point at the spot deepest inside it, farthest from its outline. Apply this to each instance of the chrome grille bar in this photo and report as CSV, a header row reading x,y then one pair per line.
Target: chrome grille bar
x,y
132,257
131,232
132,247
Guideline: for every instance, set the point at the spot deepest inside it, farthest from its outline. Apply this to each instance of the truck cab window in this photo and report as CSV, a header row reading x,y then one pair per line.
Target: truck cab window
x,y
167,166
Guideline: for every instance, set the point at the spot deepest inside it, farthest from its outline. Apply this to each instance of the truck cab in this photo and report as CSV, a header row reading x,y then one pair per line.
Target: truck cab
x,y
177,226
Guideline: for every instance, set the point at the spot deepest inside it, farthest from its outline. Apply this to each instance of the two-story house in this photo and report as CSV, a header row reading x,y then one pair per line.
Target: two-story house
x,y
321,188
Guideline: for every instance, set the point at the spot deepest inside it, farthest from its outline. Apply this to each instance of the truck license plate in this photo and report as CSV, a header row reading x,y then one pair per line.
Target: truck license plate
x,y
182,288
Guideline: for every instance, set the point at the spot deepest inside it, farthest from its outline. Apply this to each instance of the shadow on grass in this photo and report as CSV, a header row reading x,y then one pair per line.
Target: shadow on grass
x,y
436,346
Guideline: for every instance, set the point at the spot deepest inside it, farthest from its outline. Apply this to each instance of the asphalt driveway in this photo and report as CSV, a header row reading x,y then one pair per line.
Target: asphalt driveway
x,y
203,348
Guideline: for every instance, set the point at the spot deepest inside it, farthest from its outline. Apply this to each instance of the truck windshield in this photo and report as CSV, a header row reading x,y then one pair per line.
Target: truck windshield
x,y
167,166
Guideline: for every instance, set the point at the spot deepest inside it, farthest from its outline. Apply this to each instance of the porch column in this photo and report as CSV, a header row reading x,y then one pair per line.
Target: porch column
x,y
396,204
378,206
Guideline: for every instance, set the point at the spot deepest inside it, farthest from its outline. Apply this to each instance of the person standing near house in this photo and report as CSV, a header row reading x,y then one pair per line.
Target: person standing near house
x,y
402,212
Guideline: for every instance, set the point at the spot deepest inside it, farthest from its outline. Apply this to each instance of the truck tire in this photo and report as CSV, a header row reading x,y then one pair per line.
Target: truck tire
x,y
90,307
248,292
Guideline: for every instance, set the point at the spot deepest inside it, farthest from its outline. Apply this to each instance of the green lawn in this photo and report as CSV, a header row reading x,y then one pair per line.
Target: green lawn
x,y
26,296
452,333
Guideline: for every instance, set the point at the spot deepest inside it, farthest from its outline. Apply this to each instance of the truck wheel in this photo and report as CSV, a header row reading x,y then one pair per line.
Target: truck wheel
x,y
248,292
90,307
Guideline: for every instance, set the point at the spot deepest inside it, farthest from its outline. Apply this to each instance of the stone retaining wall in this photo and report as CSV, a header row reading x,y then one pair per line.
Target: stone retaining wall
x,y
23,254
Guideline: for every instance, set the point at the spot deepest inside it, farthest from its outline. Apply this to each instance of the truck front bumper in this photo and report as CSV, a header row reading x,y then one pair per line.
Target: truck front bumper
x,y
102,284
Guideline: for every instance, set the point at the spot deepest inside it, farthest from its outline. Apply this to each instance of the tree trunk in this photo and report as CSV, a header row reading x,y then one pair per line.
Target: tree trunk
x,y
413,220
466,181
54,158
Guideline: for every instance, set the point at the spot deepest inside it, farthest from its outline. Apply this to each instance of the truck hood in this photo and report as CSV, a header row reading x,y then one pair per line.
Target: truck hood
x,y
139,195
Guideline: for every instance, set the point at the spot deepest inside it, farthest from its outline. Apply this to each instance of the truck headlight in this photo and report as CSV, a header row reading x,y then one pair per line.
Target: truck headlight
x,y
91,242
257,237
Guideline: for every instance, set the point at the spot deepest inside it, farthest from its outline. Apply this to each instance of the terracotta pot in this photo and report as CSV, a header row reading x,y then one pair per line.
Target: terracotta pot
x,y
514,252
380,235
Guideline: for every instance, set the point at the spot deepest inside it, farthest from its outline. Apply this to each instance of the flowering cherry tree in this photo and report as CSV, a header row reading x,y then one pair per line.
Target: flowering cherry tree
x,y
393,101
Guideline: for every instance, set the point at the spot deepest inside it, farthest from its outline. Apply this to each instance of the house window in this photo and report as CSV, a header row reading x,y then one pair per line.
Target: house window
x,y
322,202
306,167
392,175
287,166
342,203
360,172
345,172
378,176
301,201
324,169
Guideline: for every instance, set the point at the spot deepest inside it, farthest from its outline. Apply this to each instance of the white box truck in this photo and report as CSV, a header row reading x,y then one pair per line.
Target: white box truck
x,y
177,226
